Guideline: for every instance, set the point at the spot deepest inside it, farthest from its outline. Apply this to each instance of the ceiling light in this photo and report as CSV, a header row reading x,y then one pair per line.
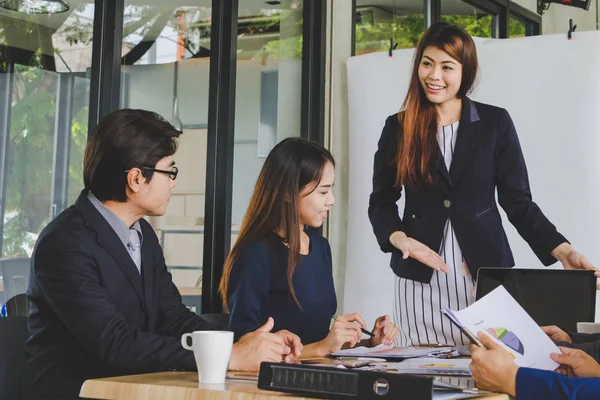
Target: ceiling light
x,y
36,6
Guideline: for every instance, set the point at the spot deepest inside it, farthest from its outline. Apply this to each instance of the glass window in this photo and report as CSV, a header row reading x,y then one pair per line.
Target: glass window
x,y
516,28
475,21
376,24
169,46
268,90
45,63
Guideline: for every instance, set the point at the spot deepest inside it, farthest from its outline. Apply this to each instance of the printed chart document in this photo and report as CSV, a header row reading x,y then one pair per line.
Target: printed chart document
x,y
500,316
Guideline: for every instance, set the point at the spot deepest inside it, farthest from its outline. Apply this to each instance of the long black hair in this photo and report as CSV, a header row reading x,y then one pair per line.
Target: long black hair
x,y
293,165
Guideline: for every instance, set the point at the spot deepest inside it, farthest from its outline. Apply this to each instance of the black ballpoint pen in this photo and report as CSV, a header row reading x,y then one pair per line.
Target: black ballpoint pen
x,y
363,330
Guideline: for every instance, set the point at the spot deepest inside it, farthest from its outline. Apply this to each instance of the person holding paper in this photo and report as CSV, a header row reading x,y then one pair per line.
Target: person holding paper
x,y
451,154
281,266
102,302
493,369
588,342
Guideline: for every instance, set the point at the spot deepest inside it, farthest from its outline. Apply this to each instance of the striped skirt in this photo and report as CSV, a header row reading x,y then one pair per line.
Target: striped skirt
x,y
418,307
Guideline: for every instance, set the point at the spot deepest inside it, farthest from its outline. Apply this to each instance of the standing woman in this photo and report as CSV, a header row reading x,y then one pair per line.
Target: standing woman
x,y
451,154
280,266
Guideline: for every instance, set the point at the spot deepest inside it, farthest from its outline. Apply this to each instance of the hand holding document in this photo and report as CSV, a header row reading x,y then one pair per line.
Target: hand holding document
x,y
499,316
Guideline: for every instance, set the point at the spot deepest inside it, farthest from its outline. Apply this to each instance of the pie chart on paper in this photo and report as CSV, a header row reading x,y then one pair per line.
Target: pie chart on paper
x,y
509,338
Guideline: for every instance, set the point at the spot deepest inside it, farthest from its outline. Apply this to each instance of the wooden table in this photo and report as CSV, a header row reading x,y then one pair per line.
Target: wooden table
x,y
172,386
183,385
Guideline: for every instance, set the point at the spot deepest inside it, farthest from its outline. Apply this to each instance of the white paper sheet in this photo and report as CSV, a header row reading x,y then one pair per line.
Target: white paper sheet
x,y
383,351
432,366
500,316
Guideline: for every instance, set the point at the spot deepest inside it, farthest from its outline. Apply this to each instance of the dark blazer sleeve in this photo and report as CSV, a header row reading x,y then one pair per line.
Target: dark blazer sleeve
x,y
174,318
514,194
550,385
68,277
592,348
588,342
249,289
579,338
383,210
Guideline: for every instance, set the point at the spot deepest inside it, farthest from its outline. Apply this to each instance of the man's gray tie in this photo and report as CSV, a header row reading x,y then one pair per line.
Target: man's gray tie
x,y
134,247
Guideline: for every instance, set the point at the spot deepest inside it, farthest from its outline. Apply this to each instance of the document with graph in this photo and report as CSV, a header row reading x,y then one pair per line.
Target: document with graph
x,y
500,316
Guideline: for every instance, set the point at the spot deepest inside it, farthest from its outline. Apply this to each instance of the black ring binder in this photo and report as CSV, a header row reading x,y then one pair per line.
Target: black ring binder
x,y
336,383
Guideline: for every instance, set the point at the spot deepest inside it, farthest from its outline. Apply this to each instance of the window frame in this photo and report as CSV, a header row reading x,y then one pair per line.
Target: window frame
x,y
501,10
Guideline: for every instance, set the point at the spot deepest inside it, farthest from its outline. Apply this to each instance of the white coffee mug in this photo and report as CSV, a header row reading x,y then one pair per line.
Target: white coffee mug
x,y
212,350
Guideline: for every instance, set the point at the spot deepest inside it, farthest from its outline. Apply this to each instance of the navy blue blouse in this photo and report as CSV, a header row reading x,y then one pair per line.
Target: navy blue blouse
x,y
258,289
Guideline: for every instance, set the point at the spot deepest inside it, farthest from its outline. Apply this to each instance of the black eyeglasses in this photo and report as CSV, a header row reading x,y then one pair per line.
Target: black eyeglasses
x,y
172,173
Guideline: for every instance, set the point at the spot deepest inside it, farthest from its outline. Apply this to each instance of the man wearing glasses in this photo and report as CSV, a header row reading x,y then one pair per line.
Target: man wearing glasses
x,y
102,302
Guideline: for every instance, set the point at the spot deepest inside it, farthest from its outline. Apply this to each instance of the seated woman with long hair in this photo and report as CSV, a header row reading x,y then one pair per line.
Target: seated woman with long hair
x,y
280,266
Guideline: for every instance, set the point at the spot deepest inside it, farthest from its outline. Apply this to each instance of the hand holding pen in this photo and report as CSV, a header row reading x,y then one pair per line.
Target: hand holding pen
x,y
346,330
360,322
384,332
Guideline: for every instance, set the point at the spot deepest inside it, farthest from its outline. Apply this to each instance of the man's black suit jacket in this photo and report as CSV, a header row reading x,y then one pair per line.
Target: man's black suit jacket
x,y
92,314
487,157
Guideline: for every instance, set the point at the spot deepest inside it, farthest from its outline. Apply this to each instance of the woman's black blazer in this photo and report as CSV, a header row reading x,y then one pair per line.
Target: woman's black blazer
x,y
487,157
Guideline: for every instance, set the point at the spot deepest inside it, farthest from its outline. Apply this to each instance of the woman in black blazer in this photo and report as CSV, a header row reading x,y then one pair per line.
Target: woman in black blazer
x,y
451,154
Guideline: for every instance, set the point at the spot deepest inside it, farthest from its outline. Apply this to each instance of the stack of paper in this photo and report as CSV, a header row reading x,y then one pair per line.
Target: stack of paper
x,y
432,366
383,351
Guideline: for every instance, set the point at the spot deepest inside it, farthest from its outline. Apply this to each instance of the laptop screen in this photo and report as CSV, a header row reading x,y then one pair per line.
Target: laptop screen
x,y
550,296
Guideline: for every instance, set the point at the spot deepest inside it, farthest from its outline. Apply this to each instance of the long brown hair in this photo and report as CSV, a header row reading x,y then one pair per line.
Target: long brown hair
x,y
418,117
293,165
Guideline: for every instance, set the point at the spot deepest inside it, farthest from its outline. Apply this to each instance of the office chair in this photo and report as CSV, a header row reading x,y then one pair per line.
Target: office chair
x,y
15,275
17,306
13,335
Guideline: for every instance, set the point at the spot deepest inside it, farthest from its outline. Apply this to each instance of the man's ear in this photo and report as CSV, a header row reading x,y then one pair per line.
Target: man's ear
x,y
135,179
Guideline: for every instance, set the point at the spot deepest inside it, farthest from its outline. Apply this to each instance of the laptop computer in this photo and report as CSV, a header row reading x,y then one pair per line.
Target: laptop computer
x,y
550,296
